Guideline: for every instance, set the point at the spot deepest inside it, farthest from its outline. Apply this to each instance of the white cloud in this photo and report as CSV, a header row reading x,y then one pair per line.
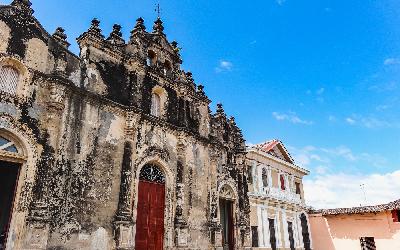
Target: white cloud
x,y
224,66
341,151
253,42
320,91
350,121
344,190
313,157
371,122
290,117
391,61
332,118
280,2
384,87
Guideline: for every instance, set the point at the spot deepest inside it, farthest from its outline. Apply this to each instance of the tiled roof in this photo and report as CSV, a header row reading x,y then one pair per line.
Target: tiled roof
x,y
359,210
269,146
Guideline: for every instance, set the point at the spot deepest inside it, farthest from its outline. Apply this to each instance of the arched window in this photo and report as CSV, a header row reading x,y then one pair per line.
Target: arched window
x,y
155,105
9,78
282,180
7,145
264,177
152,173
167,68
151,58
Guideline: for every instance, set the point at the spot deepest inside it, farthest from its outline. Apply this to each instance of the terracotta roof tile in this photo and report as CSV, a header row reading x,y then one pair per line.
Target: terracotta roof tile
x,y
359,210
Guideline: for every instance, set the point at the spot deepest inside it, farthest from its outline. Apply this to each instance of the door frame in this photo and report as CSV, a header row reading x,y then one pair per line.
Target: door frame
x,y
26,159
156,184
169,196
226,191
13,205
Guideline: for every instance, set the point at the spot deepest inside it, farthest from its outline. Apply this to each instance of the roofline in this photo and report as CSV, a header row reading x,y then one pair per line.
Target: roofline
x,y
276,159
394,205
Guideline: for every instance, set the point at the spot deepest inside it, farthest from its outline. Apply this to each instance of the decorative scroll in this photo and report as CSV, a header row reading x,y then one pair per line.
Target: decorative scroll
x,y
152,173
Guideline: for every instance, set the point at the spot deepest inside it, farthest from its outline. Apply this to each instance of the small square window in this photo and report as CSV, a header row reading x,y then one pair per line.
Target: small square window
x,y
396,215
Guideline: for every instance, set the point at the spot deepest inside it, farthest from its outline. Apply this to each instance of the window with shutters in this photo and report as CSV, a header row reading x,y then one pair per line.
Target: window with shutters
x,y
297,188
155,105
9,78
264,177
396,215
282,180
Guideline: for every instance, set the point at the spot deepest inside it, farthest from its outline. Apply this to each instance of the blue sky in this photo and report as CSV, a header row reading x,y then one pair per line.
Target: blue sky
x,y
322,76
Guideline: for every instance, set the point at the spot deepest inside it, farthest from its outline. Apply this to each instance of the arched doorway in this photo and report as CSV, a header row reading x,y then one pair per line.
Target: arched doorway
x,y
226,215
10,158
305,232
150,209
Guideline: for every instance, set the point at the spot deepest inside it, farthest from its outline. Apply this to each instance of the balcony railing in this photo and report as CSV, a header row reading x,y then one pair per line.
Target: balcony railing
x,y
283,195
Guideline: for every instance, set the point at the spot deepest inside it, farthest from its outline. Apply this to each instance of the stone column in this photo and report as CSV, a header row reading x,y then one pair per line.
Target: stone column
x,y
37,232
181,228
123,223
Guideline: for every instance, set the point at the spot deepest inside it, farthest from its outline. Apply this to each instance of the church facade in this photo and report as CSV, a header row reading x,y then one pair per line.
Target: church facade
x,y
115,148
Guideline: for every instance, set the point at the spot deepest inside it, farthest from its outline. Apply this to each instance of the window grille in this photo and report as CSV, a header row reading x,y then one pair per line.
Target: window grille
x,y
7,145
9,78
152,173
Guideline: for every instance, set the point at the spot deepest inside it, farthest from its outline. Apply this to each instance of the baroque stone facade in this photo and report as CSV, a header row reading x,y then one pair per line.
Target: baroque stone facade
x,y
81,134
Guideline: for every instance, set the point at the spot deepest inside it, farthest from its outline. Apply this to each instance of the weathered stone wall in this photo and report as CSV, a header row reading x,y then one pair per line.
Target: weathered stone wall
x,y
89,120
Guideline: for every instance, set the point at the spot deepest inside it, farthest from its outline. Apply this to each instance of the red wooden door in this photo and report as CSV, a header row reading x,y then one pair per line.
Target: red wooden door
x,y
150,216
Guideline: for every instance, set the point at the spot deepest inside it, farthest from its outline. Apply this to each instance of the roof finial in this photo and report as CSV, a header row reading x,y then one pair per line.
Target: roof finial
x,y
158,10
116,35
158,26
23,5
60,36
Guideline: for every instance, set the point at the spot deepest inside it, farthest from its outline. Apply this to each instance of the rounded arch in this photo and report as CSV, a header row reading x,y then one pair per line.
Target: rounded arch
x,y
227,190
15,63
151,59
152,173
25,160
141,164
159,93
159,162
13,68
21,135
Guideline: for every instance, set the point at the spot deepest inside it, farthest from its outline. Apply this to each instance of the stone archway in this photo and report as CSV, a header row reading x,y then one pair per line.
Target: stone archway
x,y
24,159
227,197
150,208
168,240
10,165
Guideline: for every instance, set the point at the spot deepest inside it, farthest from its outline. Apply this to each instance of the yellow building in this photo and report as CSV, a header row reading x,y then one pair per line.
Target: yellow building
x,y
278,211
